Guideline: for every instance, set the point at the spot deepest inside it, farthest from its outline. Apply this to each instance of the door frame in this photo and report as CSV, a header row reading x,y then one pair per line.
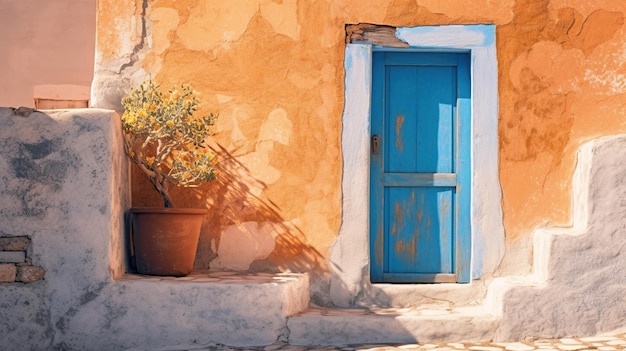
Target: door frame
x,y
349,255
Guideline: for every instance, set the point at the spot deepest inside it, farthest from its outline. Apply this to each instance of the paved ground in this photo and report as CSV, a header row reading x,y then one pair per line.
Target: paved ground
x,y
609,342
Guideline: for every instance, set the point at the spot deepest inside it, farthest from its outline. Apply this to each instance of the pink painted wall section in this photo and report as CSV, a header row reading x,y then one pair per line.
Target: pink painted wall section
x,y
274,71
45,43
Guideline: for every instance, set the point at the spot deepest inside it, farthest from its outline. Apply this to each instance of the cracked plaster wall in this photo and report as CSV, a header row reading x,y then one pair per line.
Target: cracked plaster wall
x,y
274,72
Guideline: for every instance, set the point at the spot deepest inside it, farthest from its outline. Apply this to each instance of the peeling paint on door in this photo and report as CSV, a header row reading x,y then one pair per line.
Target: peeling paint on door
x,y
399,123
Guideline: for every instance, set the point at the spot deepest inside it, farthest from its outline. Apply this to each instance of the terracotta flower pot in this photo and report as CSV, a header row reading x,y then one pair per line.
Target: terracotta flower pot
x,y
165,239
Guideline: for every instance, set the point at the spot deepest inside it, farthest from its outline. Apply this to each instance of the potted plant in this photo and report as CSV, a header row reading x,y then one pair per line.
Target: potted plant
x,y
167,141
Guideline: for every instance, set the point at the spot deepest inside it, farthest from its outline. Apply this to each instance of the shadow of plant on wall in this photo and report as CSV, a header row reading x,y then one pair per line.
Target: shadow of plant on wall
x,y
246,227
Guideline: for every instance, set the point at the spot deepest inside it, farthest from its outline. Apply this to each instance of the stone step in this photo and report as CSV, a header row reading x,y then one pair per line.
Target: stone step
x,y
232,308
326,326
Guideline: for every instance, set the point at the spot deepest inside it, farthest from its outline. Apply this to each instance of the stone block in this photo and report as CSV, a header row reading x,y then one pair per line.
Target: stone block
x,y
231,308
7,273
18,243
12,256
397,326
29,274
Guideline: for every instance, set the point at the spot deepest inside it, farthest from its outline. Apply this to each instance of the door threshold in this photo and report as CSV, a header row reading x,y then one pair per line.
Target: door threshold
x,y
418,278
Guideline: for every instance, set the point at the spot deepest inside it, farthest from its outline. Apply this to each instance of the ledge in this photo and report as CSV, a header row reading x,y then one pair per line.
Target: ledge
x,y
322,326
287,292
222,277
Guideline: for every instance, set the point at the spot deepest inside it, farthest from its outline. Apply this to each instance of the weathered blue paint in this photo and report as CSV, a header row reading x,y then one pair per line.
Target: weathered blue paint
x,y
420,177
464,171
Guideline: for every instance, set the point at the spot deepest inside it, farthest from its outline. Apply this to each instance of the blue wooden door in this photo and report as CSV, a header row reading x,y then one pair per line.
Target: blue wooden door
x,y
420,167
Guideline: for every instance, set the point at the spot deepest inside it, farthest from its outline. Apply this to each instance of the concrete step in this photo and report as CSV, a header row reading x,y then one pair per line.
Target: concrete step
x,y
206,307
333,326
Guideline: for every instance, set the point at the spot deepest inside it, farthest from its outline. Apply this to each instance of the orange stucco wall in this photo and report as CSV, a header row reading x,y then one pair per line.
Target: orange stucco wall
x,y
274,72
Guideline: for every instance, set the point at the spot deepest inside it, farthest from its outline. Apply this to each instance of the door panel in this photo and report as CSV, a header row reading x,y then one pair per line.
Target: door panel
x,y
421,143
420,226
416,234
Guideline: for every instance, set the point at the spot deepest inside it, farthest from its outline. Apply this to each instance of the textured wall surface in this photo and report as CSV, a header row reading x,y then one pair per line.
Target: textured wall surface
x,y
579,271
62,177
64,185
274,71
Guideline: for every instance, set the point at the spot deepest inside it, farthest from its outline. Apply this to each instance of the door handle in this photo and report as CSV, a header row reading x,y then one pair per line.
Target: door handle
x,y
375,142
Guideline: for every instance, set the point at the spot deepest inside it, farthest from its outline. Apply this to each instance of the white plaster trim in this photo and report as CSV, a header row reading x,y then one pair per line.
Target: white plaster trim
x,y
349,256
453,37
350,253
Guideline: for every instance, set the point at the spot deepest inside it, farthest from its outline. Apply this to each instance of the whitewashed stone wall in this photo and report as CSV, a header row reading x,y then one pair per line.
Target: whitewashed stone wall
x,y
578,286
63,185
62,188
